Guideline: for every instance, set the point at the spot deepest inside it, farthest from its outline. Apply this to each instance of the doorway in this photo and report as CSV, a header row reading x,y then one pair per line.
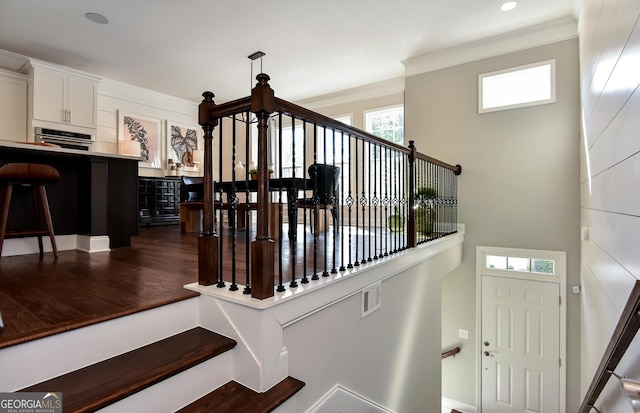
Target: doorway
x,y
521,324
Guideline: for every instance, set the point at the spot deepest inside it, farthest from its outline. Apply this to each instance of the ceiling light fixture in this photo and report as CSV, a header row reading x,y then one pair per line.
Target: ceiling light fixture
x,y
255,56
96,18
510,5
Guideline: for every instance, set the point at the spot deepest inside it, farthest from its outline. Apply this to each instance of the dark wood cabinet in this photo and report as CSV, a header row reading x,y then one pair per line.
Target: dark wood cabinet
x,y
96,194
159,200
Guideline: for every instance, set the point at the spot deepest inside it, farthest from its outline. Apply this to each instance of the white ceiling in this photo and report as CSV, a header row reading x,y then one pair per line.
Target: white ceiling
x,y
184,47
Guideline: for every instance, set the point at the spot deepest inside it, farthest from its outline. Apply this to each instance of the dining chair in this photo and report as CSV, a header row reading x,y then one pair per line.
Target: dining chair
x,y
324,183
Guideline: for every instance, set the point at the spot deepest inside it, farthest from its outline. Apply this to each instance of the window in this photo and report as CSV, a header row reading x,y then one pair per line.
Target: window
x,y
293,138
517,87
386,123
520,264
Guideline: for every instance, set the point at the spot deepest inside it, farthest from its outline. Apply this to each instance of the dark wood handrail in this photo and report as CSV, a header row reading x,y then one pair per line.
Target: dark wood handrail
x,y
244,104
622,337
263,104
450,353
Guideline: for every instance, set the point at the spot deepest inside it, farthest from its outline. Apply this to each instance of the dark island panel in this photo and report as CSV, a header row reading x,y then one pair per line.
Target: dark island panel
x,y
97,194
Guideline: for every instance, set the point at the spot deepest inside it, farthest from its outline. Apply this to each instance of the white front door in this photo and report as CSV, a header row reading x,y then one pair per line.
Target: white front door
x,y
520,348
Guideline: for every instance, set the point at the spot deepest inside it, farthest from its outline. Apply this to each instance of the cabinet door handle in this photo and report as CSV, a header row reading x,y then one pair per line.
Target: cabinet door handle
x,y
69,116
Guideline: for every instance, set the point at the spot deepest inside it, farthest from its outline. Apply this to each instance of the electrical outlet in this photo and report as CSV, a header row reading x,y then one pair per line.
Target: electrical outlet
x,y
463,334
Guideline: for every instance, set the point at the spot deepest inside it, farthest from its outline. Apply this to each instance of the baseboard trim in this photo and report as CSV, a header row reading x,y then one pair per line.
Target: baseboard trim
x,y
29,245
341,399
96,243
449,404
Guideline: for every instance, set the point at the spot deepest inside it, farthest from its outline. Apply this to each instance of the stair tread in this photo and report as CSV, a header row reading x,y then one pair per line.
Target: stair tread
x,y
108,381
236,398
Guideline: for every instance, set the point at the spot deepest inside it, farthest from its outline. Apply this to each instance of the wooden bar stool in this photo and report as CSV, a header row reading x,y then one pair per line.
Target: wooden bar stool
x,y
35,176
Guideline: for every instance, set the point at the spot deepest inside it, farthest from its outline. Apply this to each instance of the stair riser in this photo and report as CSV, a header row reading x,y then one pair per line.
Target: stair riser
x,y
39,360
177,391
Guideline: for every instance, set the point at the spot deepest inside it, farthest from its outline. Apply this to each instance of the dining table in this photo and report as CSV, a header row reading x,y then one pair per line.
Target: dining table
x,y
292,186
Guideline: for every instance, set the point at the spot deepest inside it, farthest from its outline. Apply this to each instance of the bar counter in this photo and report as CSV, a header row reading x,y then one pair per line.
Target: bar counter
x,y
97,194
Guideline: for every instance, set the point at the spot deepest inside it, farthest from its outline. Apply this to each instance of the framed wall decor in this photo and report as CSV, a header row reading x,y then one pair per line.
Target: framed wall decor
x,y
183,144
144,130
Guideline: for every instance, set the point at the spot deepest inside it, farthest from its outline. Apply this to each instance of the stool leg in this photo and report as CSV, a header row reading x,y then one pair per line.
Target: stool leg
x,y
47,217
36,214
5,192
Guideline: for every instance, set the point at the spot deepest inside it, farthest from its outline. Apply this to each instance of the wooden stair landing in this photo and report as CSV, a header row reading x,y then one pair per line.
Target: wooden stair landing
x,y
98,385
236,398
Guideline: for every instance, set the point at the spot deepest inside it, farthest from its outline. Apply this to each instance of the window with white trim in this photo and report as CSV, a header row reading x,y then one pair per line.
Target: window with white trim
x,y
517,87
386,123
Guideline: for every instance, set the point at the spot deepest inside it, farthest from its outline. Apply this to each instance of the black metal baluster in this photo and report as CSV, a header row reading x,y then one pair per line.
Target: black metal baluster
x,y
293,230
349,202
316,202
280,287
305,280
357,179
363,202
234,286
247,200
371,162
221,283
385,202
315,275
339,208
334,206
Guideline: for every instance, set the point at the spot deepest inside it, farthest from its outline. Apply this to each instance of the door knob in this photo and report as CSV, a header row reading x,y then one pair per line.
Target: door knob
x,y
488,354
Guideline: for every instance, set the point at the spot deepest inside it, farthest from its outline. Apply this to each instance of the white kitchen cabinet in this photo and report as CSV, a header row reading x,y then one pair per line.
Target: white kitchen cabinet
x,y
13,106
63,96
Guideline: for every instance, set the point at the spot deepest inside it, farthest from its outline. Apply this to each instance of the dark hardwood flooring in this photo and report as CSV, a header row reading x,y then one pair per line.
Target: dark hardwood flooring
x,y
42,296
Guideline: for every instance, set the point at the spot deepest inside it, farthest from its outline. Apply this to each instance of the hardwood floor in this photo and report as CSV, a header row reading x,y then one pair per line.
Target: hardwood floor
x,y
41,296
44,296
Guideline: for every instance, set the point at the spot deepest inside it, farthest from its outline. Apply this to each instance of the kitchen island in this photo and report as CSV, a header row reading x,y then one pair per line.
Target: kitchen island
x,y
95,198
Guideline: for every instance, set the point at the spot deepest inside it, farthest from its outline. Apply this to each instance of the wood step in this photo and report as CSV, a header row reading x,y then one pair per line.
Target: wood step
x,y
98,385
236,398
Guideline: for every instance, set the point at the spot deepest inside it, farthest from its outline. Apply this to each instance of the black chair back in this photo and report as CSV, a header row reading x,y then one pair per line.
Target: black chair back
x,y
324,180
192,189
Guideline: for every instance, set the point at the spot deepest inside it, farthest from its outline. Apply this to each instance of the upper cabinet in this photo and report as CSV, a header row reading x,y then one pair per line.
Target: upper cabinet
x,y
62,98
13,106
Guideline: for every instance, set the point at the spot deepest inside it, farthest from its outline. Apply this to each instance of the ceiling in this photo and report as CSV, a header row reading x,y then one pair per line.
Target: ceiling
x,y
313,48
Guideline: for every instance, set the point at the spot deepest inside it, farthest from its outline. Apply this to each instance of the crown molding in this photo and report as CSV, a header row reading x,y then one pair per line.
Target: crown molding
x,y
370,91
12,61
533,36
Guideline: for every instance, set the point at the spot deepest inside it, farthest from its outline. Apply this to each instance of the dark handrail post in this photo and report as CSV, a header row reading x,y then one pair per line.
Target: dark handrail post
x,y
412,236
208,240
262,248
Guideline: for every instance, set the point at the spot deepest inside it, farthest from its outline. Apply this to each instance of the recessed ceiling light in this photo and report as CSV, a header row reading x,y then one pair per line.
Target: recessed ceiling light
x,y
97,18
510,5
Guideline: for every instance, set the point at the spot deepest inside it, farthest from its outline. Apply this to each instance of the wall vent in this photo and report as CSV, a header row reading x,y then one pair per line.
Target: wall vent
x,y
371,299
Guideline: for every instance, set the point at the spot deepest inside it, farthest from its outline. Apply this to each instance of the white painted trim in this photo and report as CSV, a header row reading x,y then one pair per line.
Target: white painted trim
x,y
132,93
391,266
371,91
95,243
12,60
41,64
546,33
29,245
448,404
341,399
560,278
552,87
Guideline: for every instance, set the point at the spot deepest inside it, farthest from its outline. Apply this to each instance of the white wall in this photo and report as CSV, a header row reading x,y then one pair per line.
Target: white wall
x,y
518,188
609,181
391,357
115,96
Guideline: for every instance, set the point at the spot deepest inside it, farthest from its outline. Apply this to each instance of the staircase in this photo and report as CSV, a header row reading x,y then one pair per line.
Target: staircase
x,y
109,367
